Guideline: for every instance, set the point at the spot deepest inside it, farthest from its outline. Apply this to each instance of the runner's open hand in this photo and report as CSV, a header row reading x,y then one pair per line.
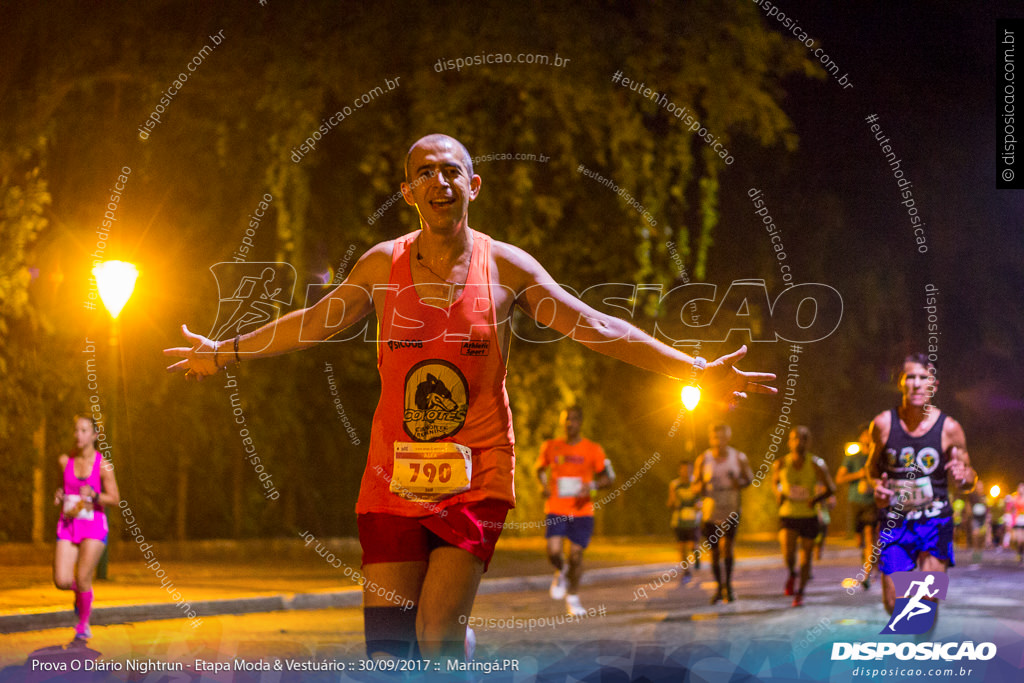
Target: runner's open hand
x,y
722,380
198,358
958,467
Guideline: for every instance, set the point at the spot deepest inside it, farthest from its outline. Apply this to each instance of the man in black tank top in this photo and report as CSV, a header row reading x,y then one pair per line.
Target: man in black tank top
x,y
915,450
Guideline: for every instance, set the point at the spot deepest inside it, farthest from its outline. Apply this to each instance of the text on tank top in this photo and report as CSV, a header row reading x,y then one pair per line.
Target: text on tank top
x,y
798,484
73,487
916,466
442,381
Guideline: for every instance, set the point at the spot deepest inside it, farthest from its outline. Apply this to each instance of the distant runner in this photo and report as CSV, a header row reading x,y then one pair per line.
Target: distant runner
x,y
569,469
915,450
800,481
82,529
719,475
686,517
854,473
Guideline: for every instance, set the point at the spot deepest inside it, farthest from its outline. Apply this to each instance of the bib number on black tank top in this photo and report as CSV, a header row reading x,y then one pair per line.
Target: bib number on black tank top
x,y
912,493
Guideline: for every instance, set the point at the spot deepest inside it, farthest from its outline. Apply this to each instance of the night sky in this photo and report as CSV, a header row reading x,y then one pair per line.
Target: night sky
x,y
928,71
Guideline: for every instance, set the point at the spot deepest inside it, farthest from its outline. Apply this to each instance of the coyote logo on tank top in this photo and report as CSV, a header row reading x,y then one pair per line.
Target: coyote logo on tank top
x,y
436,400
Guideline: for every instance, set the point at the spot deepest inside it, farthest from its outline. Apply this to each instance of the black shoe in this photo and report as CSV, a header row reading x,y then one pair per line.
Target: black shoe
x,y
729,595
717,597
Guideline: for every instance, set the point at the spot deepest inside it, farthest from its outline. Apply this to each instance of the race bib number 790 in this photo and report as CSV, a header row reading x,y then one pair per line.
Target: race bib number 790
x,y
431,471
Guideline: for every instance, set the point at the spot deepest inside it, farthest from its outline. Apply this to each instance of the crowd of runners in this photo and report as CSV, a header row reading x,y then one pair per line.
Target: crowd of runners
x,y
900,476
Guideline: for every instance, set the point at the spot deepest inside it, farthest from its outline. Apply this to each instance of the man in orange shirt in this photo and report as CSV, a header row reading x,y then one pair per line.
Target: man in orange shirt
x,y
425,287
569,469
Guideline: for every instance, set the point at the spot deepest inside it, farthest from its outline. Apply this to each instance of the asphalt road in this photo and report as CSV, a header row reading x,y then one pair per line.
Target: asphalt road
x,y
639,628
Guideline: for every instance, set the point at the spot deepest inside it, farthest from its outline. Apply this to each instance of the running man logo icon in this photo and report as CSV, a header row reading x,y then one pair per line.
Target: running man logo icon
x,y
915,611
250,294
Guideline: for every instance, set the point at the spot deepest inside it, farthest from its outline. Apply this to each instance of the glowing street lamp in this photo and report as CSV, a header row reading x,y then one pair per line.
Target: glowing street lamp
x,y
853,448
994,491
690,396
116,282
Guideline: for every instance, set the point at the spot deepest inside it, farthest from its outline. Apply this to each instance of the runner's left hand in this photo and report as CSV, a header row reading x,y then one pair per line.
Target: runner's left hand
x,y
723,380
958,467
198,359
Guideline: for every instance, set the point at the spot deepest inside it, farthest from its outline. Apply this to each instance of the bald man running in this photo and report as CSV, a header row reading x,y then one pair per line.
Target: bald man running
x,y
438,480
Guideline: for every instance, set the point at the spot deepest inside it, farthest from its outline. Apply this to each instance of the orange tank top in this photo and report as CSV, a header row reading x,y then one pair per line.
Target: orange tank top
x,y
572,469
442,380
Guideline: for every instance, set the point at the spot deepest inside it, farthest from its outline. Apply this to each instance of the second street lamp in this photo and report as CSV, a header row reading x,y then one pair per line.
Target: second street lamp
x,y
115,281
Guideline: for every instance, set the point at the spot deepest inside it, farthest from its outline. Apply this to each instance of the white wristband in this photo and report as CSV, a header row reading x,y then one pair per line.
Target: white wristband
x,y
698,368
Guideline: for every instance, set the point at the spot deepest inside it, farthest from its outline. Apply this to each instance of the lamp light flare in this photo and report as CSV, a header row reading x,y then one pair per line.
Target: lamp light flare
x,y
116,282
690,396
852,448
994,491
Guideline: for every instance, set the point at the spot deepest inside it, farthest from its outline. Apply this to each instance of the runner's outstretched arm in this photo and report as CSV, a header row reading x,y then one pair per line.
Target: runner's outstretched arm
x,y
540,297
346,305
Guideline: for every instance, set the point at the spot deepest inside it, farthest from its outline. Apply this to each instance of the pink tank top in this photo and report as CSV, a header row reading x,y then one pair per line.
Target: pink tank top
x,y
442,380
72,484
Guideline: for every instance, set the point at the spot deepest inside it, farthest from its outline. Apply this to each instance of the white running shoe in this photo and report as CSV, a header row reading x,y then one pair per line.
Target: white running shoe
x,y
573,606
558,586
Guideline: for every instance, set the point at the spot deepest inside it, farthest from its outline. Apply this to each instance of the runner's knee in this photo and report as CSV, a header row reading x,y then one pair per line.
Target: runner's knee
x,y
84,580
556,560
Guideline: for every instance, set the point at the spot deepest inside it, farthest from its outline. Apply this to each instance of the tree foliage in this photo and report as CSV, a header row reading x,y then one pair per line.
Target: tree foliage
x,y
229,135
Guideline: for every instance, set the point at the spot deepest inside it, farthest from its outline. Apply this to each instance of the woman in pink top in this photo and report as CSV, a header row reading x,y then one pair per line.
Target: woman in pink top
x,y
88,485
